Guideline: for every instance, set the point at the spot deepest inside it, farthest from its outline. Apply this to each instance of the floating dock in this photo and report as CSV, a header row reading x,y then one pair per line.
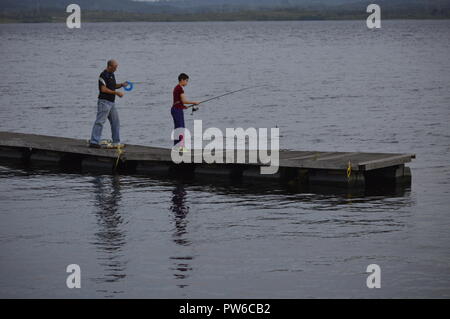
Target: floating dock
x,y
345,169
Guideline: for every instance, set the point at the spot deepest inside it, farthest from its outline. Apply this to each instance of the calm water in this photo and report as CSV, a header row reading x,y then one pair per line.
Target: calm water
x,y
330,86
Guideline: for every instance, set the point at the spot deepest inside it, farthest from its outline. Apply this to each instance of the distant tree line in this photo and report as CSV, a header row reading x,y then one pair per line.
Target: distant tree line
x,y
123,10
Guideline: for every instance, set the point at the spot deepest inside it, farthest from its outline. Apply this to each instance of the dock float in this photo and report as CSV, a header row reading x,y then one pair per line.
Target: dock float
x,y
345,169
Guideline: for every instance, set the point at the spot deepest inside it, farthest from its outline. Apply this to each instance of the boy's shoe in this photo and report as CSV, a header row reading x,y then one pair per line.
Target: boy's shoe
x,y
180,149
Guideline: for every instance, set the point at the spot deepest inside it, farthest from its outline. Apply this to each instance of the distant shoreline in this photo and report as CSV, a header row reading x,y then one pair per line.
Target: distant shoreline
x,y
59,16
183,21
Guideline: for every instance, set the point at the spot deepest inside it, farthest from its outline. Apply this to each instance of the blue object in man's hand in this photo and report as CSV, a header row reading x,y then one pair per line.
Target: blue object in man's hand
x,y
129,86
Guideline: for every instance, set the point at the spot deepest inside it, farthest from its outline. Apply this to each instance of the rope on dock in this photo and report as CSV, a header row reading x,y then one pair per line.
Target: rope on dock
x,y
349,170
120,151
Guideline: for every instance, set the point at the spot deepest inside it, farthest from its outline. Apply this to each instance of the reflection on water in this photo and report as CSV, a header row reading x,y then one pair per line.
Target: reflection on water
x,y
110,237
180,209
298,224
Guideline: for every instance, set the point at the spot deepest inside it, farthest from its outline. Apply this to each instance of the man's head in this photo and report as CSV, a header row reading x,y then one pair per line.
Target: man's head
x,y
183,79
111,66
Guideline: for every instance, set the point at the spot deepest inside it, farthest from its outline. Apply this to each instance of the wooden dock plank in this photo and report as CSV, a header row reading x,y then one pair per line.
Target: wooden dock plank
x,y
296,154
296,159
385,161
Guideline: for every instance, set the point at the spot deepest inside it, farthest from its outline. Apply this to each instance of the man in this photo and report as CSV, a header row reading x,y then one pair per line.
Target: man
x,y
106,107
179,101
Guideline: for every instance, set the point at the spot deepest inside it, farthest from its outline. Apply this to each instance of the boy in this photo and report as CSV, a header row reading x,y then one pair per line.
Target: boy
x,y
179,101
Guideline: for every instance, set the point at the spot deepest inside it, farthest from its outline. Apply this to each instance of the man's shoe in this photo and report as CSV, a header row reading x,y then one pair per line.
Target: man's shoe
x,y
93,145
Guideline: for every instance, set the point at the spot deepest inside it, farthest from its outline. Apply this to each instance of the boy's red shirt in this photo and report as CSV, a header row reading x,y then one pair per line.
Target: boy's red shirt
x,y
177,103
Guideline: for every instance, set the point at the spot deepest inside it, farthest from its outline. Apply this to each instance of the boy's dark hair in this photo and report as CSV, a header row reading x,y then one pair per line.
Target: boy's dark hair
x,y
183,76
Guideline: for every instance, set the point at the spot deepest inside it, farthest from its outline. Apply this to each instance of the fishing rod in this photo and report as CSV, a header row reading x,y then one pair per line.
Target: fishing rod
x,y
218,97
